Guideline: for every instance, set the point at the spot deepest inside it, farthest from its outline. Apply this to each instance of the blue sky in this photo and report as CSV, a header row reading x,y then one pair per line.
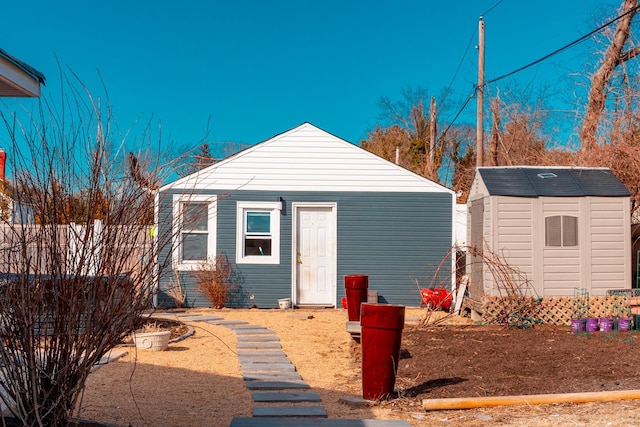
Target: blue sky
x,y
252,69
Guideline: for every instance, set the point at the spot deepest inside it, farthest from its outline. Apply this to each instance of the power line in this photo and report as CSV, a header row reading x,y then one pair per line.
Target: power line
x,y
469,98
492,7
563,48
555,52
464,55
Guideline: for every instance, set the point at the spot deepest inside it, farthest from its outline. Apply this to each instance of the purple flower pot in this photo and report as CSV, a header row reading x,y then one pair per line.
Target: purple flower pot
x,y
578,325
606,324
592,324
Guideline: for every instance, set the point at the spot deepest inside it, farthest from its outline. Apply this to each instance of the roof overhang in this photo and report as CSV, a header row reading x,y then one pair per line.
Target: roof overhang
x,y
18,79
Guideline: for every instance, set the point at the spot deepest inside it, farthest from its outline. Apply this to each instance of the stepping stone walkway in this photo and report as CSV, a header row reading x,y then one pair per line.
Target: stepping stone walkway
x,y
272,378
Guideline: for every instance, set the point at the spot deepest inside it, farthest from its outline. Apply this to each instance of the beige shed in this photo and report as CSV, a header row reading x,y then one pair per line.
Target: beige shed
x,y
561,228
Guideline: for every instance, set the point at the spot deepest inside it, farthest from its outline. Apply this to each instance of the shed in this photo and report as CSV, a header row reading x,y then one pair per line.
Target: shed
x,y
296,213
564,228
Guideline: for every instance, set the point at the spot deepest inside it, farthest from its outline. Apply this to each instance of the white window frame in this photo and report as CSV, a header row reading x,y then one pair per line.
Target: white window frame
x,y
274,209
178,203
562,232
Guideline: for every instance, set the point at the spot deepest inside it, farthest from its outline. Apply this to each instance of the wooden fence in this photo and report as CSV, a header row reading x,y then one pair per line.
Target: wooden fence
x,y
21,242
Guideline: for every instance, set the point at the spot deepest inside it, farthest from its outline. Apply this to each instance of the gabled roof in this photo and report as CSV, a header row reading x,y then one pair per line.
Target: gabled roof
x,y
524,181
18,79
306,158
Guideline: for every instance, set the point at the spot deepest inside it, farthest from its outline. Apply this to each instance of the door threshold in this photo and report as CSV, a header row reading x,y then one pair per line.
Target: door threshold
x,y
313,306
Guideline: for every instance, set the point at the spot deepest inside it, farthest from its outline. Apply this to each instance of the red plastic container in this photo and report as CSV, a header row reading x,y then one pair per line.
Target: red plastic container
x,y
356,287
436,297
381,336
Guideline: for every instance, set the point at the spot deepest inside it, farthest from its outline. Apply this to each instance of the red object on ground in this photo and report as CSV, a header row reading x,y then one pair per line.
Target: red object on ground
x,y
344,302
436,297
381,336
356,287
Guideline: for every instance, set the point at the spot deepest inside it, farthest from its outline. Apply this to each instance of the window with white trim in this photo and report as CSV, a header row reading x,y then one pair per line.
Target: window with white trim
x,y
561,231
258,233
194,230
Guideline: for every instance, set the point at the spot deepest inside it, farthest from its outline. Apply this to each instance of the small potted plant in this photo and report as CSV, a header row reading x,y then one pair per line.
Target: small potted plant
x,y
152,337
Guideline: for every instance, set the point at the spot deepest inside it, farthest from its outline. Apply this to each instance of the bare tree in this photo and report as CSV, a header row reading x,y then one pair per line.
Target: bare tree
x,y
614,56
63,305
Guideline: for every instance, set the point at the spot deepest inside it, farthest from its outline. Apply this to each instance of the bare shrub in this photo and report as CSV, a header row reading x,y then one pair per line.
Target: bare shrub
x,y
520,304
176,291
70,293
216,279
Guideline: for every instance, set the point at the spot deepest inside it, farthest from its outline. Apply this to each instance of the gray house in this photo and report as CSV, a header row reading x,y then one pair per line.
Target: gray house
x,y
296,213
564,228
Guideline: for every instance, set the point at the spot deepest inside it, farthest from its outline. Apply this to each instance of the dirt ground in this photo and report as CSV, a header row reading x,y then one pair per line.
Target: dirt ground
x,y
198,381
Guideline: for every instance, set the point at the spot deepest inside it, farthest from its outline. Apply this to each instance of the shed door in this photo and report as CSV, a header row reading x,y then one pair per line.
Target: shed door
x,y
315,255
476,211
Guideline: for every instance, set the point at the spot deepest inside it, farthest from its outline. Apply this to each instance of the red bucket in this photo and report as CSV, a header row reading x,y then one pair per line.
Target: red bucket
x,y
436,298
356,287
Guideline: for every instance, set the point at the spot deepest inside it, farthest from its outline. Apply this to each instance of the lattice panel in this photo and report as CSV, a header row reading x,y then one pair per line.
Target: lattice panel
x,y
552,310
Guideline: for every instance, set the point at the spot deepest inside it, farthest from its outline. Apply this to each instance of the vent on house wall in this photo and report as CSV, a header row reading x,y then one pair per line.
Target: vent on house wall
x,y
544,175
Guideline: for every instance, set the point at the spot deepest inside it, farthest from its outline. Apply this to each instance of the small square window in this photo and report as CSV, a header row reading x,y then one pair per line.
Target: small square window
x,y
258,233
561,231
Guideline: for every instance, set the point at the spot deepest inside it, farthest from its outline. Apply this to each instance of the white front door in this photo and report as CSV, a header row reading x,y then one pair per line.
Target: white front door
x,y
315,255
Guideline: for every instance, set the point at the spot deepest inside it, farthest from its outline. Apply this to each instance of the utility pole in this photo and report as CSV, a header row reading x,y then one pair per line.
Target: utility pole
x,y
480,94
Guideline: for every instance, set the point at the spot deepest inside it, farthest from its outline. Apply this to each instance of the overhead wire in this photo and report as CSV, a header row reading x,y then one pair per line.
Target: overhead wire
x,y
464,55
563,48
544,58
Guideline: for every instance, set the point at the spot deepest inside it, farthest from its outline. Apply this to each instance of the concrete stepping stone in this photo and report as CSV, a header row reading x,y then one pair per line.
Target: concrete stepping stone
x,y
112,356
290,411
200,318
247,326
265,361
261,353
257,338
258,346
277,385
313,422
227,322
262,331
272,376
263,367
253,362
270,396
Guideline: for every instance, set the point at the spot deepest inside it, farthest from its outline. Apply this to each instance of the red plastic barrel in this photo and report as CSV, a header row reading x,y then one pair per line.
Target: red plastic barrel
x,y
356,287
381,336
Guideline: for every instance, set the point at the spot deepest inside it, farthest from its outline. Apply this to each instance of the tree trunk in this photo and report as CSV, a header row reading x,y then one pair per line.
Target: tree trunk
x,y
613,57
495,132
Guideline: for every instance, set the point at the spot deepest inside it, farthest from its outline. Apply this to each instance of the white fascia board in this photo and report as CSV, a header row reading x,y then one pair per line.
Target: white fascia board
x,y
15,82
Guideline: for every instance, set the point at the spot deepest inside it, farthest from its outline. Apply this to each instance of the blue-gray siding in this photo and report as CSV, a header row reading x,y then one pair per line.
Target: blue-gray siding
x,y
395,238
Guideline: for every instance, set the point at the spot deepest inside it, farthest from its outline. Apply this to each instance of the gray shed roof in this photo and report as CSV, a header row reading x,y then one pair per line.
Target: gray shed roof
x,y
553,182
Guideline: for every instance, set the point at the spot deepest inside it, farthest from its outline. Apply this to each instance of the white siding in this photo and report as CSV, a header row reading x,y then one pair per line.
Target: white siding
x,y
307,159
610,248
512,225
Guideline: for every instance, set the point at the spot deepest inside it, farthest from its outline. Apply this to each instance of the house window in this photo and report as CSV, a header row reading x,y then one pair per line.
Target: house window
x,y
258,233
561,231
194,231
